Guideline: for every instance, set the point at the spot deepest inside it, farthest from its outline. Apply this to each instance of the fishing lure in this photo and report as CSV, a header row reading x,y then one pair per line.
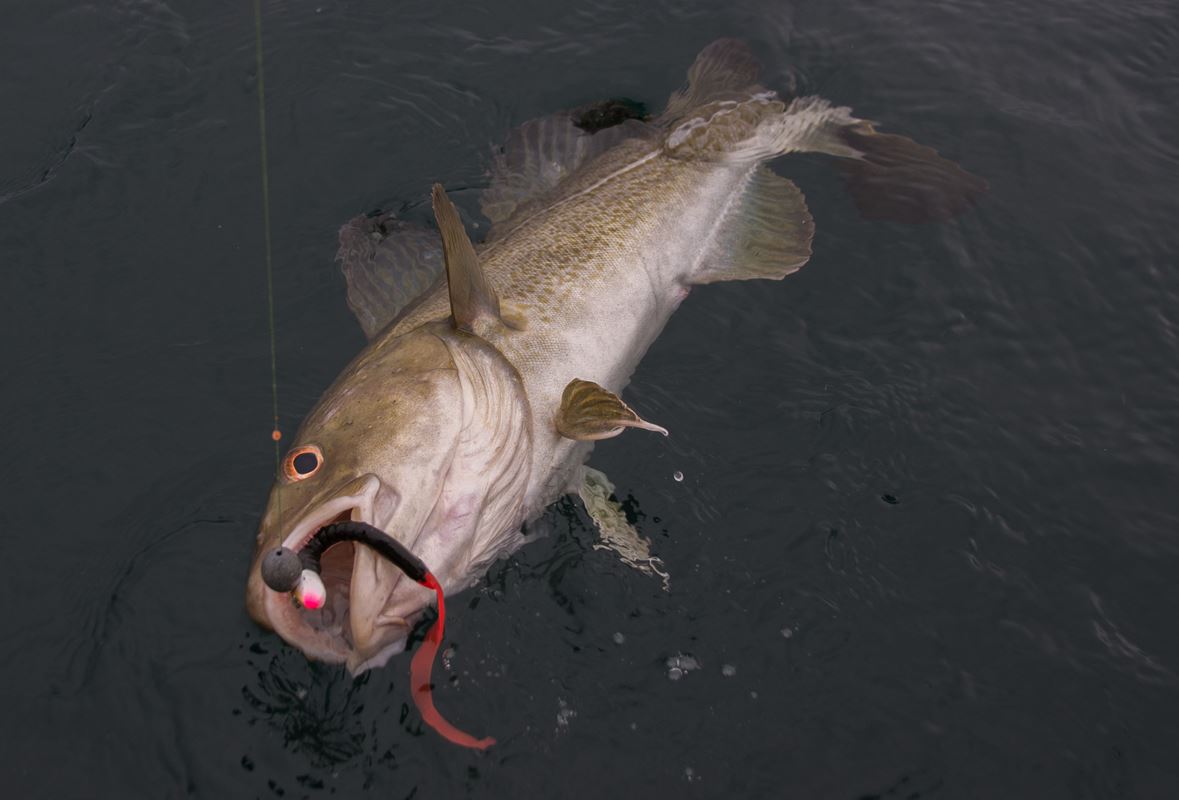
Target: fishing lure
x,y
285,570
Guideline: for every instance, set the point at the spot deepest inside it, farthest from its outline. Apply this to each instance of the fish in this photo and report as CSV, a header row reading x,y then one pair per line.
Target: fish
x,y
492,369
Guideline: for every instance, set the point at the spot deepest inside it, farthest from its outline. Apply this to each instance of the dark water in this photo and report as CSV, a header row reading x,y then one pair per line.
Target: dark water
x,y
942,459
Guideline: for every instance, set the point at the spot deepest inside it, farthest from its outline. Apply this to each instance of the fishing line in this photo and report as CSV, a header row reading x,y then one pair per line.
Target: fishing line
x,y
275,433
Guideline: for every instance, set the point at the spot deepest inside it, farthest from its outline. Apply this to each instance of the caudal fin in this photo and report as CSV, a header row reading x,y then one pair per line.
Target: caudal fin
x,y
889,177
896,179
723,115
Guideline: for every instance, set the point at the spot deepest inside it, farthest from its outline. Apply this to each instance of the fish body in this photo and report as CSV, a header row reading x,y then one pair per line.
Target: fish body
x,y
475,406
594,277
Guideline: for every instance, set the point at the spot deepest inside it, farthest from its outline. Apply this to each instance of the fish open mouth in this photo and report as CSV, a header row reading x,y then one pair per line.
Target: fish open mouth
x,y
354,626
336,565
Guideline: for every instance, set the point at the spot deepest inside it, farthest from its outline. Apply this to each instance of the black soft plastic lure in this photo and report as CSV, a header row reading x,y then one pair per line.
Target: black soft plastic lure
x,y
285,570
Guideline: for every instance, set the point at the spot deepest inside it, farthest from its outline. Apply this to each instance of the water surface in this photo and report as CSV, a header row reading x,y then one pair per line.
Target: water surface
x,y
926,537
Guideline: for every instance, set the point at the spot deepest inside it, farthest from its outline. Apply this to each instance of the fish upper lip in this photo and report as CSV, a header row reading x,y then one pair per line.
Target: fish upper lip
x,y
360,504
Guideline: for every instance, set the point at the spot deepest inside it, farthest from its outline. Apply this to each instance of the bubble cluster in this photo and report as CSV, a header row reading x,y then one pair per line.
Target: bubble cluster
x,y
680,665
564,713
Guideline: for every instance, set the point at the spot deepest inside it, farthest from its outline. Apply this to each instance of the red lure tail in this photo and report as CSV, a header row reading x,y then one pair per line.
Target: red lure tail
x,y
419,676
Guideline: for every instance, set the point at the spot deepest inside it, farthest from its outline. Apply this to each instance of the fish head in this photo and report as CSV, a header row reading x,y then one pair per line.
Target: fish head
x,y
425,436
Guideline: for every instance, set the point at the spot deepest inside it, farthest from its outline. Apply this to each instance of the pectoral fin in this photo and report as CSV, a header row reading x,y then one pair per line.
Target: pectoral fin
x,y
589,412
616,532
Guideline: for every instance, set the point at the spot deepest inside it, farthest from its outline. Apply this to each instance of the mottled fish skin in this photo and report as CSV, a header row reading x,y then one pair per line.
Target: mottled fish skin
x,y
453,427
598,269
596,274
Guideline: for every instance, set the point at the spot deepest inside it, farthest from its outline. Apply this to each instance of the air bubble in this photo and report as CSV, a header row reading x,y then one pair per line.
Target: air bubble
x,y
679,476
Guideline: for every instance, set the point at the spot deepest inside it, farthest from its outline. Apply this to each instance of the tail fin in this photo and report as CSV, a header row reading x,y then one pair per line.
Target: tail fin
x,y
896,179
722,114
889,177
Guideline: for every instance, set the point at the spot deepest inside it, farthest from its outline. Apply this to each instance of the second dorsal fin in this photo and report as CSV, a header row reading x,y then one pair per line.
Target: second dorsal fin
x,y
541,153
472,300
724,70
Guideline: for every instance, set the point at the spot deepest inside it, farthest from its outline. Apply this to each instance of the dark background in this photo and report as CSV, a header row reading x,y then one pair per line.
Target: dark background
x,y
943,458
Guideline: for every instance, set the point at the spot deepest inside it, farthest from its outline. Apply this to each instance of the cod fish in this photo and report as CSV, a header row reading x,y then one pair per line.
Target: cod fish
x,y
492,369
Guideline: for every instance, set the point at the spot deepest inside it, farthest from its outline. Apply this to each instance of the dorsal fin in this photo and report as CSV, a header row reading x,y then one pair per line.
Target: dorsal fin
x,y
723,69
388,264
539,154
472,300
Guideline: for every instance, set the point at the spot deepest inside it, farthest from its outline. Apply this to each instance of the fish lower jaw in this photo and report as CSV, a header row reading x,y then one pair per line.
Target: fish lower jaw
x,y
358,662
360,625
369,605
326,635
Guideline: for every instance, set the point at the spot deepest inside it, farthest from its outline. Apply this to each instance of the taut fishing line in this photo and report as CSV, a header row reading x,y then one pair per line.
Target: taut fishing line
x,y
275,433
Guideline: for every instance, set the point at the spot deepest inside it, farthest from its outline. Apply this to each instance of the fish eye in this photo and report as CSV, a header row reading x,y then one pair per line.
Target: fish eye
x,y
302,462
